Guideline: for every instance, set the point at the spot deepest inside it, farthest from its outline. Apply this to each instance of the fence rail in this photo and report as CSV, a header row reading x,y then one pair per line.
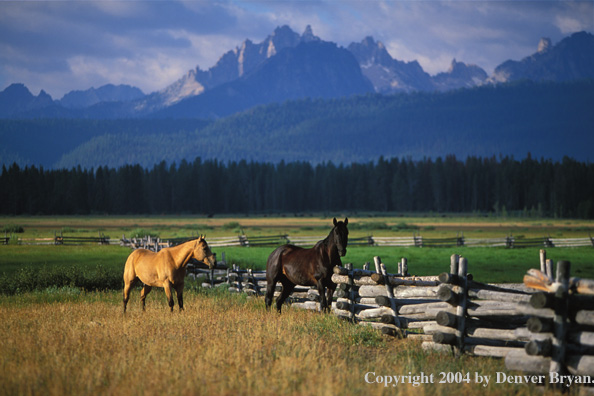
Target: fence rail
x,y
509,242
76,240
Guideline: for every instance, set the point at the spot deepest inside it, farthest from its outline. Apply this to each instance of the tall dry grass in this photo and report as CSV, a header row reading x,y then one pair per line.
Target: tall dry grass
x,y
220,345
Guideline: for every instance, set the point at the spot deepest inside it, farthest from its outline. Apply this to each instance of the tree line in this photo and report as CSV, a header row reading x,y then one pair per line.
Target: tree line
x,y
501,185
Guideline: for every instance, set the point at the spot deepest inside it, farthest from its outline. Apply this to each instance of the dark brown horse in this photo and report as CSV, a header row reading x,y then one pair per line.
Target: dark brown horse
x,y
292,265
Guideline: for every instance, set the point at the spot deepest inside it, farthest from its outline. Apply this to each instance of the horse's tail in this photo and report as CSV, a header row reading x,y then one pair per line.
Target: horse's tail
x,y
274,265
129,277
129,270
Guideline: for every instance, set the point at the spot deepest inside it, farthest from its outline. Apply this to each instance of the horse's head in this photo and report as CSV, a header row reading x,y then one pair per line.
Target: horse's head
x,y
202,253
340,233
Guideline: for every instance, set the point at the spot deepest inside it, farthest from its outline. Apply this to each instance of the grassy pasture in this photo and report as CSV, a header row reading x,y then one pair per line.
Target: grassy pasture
x,y
486,264
64,340
81,343
429,226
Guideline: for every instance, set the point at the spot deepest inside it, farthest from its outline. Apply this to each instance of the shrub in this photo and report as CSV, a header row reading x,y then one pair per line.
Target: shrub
x,y
28,279
141,233
232,225
13,229
370,226
402,226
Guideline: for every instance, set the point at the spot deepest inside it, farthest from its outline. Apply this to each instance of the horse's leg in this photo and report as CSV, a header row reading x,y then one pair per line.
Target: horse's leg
x,y
179,291
128,285
321,292
270,286
330,288
274,270
167,287
146,289
288,288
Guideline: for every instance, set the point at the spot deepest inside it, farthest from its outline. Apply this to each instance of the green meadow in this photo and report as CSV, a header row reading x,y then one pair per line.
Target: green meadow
x,y
88,265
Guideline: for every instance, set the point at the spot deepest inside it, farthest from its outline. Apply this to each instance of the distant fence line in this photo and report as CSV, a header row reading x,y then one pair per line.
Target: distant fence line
x,y
153,243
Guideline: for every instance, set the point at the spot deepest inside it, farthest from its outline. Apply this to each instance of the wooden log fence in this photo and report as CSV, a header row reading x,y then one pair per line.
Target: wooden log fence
x,y
509,242
561,328
548,333
479,319
450,311
79,240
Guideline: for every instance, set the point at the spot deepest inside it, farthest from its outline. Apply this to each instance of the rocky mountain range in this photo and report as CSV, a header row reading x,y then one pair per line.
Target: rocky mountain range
x,y
287,66
387,74
572,58
106,93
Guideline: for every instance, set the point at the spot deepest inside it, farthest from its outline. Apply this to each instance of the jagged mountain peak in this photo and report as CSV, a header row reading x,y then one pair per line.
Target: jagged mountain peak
x,y
308,35
18,89
106,93
16,99
312,69
282,37
44,95
570,59
369,50
232,65
461,67
386,73
454,65
544,45
460,75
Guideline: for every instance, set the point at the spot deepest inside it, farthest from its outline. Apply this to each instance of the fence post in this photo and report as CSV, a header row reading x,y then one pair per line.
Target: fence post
x,y
549,268
351,291
561,306
454,259
461,308
390,292
404,263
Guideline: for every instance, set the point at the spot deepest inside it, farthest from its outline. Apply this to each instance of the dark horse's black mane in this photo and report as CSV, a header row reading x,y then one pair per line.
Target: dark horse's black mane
x,y
323,242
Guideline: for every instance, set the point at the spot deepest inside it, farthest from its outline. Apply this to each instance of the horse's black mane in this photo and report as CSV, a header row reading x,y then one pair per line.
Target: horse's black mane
x,y
326,240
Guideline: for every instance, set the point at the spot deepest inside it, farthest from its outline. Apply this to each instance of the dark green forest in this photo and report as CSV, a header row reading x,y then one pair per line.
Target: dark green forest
x,y
501,185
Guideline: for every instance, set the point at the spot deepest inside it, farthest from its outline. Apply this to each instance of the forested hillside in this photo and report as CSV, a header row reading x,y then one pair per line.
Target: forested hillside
x,y
480,185
549,120
44,141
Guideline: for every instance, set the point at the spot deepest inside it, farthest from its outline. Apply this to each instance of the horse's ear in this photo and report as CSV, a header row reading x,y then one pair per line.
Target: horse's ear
x,y
335,222
346,221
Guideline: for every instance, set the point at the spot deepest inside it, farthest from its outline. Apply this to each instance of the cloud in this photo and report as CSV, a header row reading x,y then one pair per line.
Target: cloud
x,y
63,45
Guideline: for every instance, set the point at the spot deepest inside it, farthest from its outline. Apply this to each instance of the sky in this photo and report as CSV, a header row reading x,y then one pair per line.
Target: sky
x,y
59,46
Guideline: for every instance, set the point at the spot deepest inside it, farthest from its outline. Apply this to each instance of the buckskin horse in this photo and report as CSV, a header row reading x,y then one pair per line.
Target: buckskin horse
x,y
166,269
292,265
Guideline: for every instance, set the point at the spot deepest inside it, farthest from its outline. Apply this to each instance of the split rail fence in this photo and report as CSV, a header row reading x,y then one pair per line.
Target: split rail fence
x,y
413,241
561,327
533,331
509,242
